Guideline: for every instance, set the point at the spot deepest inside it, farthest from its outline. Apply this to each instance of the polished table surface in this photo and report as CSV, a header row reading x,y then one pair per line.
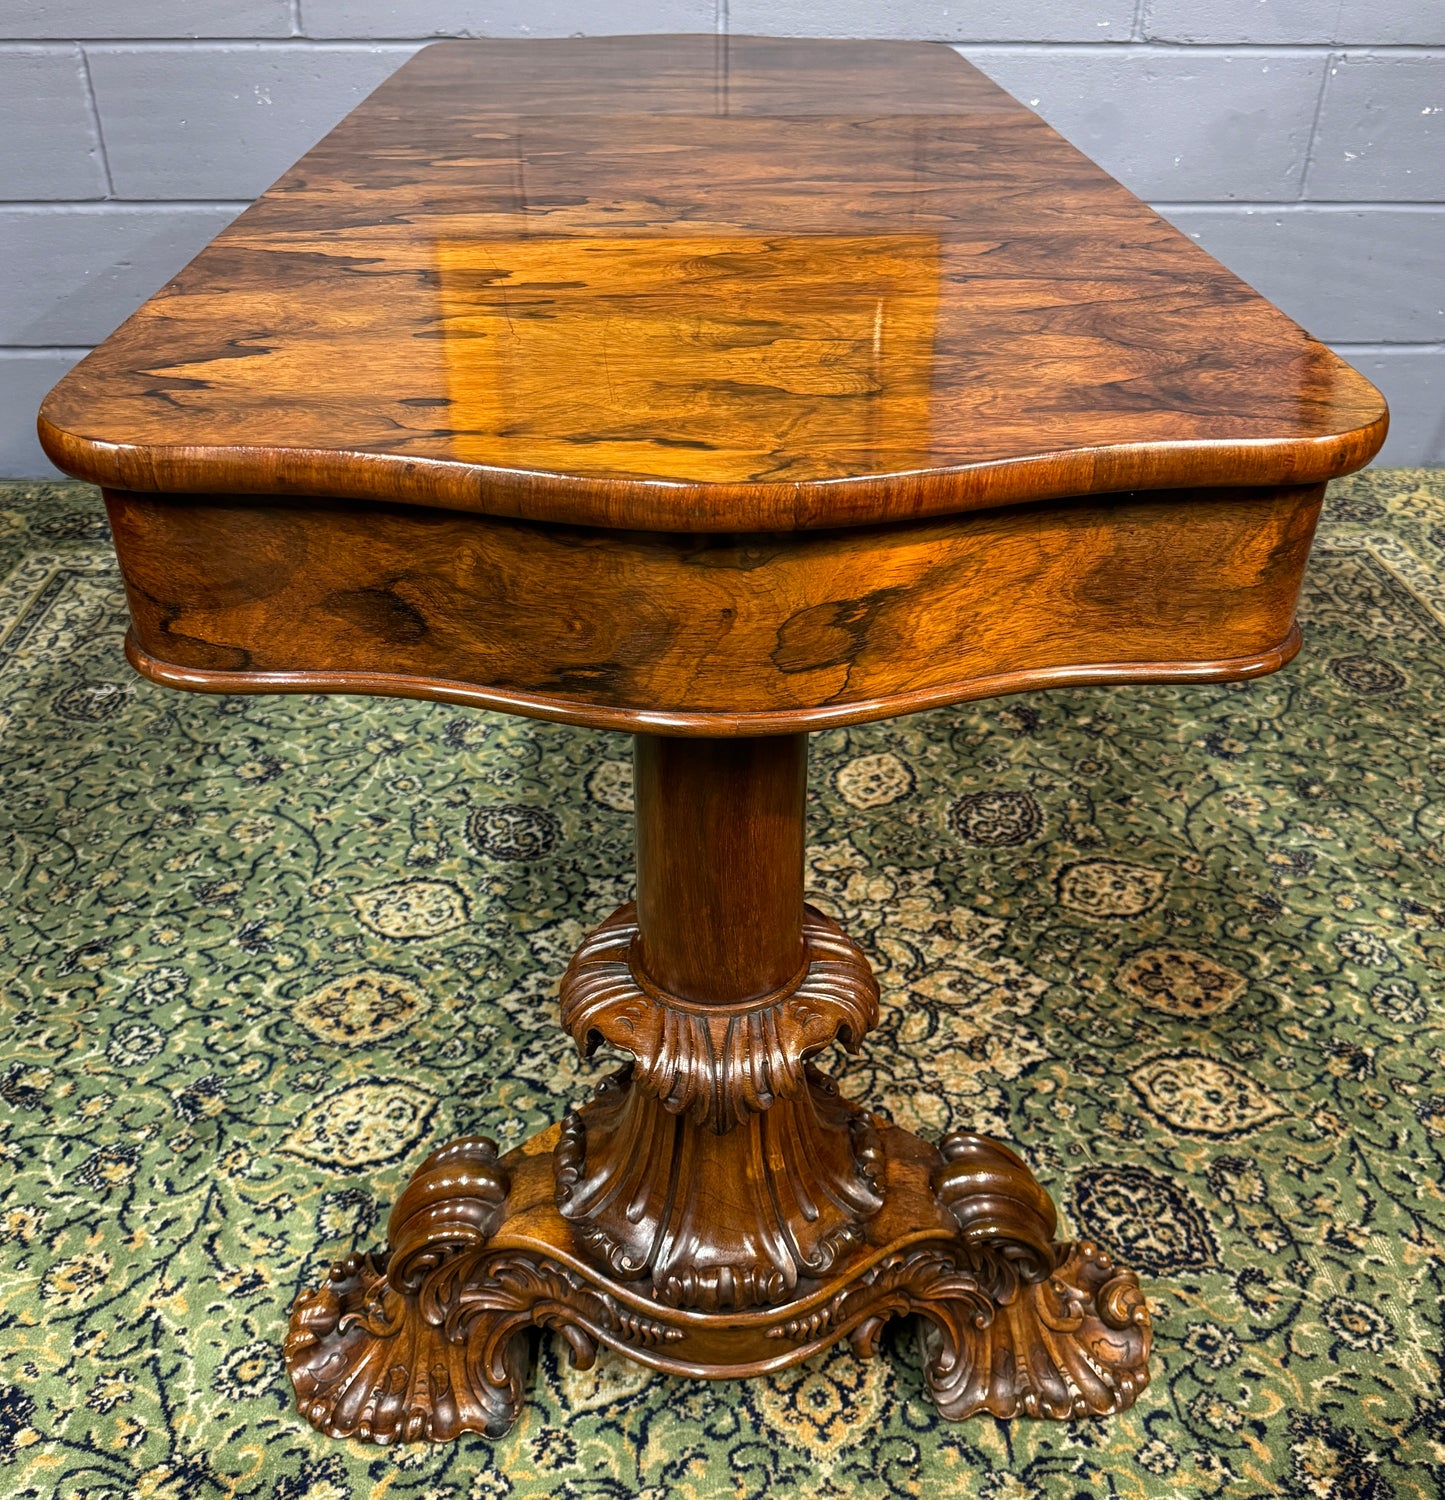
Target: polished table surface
x,y
716,391
668,283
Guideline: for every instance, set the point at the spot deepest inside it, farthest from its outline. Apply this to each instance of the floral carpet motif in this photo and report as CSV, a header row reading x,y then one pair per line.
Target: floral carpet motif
x,y
1183,946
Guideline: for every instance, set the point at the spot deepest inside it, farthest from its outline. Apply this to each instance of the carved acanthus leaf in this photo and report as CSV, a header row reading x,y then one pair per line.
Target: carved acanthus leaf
x,y
718,1064
641,1187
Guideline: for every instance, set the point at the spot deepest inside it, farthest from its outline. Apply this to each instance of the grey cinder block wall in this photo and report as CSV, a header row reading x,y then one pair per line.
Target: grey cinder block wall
x,y
1300,141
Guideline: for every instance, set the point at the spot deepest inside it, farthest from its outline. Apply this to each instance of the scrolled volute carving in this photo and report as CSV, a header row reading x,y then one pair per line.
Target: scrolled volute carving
x,y
428,1340
1073,1344
376,1351
718,1064
1005,1219
455,1200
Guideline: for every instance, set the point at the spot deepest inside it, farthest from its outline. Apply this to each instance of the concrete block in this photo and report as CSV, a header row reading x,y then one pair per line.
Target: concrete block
x,y
77,273
1381,132
1175,125
1391,23
138,18
51,149
1413,381
224,121
938,20
25,377
1256,21
1370,23
512,18
1364,275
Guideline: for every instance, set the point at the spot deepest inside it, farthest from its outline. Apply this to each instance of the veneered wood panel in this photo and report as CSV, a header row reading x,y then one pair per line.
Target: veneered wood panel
x,y
747,634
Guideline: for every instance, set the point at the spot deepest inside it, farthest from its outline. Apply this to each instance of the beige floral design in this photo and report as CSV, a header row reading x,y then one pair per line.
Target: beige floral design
x,y
1179,982
1202,1095
361,1008
362,1125
412,909
1109,888
873,780
610,785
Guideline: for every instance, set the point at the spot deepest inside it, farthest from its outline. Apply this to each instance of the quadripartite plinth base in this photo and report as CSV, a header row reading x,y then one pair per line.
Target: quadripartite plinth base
x,y
430,1339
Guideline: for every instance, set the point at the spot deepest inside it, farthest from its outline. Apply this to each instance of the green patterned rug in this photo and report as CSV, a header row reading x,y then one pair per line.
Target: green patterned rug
x,y
259,953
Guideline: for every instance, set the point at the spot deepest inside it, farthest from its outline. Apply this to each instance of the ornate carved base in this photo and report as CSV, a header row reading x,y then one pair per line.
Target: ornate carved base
x,y
430,1340
718,1209
719,1163
642,1189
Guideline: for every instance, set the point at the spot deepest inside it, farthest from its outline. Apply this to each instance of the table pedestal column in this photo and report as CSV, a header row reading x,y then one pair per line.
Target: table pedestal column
x,y
718,1209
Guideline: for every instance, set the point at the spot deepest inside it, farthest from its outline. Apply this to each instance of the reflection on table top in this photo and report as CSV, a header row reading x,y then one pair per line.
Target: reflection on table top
x,y
694,284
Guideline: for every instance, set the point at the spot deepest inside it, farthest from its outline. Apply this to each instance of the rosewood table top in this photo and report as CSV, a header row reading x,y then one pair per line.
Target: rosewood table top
x,y
715,391
672,283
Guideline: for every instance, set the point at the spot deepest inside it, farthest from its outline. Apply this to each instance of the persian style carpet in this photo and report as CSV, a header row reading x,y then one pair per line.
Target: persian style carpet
x,y
1183,946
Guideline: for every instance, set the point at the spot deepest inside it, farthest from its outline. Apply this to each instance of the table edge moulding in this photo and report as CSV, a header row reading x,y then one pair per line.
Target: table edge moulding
x,y
716,391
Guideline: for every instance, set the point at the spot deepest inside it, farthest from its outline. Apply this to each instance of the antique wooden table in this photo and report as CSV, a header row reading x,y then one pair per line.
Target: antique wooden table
x,y
714,392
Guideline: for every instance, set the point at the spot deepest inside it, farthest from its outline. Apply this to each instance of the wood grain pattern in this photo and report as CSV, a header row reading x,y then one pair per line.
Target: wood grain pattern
x,y
761,634
730,927
709,390
663,283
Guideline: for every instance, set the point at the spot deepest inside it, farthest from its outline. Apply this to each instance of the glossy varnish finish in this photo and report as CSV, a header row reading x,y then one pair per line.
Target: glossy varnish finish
x,y
731,928
709,635
669,283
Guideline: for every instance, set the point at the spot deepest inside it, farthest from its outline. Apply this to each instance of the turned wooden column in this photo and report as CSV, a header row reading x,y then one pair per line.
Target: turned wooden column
x,y
720,832
719,1163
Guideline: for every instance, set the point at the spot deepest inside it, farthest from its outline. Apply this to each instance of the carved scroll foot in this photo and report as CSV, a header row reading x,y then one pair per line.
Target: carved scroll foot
x,y
368,1363
425,1341
1012,1322
1021,1323
1075,1344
